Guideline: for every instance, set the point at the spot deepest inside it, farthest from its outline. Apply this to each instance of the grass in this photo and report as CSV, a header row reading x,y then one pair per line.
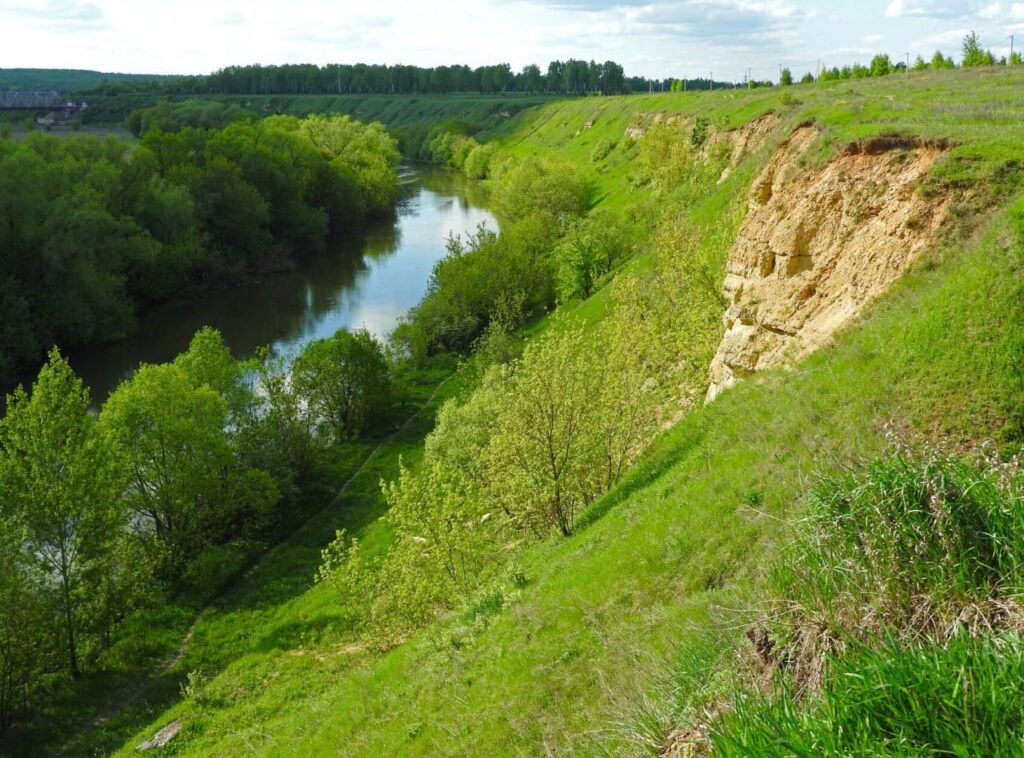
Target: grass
x,y
957,699
895,619
604,613
587,656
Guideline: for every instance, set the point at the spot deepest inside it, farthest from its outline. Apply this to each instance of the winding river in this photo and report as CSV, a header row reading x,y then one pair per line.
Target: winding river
x,y
370,280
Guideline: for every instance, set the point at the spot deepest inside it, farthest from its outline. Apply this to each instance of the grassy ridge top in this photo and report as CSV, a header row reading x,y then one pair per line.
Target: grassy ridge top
x,y
582,658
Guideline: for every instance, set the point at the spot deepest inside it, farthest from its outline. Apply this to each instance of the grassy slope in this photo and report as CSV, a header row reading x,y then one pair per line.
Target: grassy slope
x,y
595,632
392,111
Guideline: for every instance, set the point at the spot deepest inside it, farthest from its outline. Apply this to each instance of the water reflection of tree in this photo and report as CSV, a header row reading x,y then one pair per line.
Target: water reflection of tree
x,y
468,194
281,308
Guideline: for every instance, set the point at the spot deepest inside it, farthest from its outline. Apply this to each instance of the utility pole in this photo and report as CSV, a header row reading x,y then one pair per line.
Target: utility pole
x,y
819,70
750,84
1011,47
711,81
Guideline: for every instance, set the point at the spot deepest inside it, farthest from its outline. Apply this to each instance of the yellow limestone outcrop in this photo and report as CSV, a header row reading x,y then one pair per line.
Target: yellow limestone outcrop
x,y
818,245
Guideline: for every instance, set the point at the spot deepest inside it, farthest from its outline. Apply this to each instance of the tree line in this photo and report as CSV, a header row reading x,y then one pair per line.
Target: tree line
x,y
972,56
92,231
570,77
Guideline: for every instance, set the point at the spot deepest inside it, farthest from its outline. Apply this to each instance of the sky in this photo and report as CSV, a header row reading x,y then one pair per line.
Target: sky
x,y
677,38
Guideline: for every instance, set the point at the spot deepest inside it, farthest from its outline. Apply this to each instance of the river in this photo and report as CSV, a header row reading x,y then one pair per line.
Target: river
x,y
369,280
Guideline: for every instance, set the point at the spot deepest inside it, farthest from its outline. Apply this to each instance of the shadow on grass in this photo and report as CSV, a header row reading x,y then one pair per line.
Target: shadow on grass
x,y
665,454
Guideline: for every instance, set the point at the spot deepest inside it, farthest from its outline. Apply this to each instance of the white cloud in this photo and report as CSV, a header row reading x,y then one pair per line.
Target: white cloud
x,y
991,11
649,37
935,9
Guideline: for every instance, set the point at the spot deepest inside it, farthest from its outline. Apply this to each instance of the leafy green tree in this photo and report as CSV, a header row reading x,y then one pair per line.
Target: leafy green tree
x,y
939,61
535,186
345,382
187,487
920,64
785,77
543,460
973,54
26,639
533,80
61,480
881,65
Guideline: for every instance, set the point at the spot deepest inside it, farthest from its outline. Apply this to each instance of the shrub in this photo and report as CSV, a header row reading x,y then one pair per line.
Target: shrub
x,y
601,150
214,567
550,187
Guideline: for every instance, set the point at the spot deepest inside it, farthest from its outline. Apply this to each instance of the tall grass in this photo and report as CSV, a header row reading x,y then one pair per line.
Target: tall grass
x,y
958,699
918,546
897,628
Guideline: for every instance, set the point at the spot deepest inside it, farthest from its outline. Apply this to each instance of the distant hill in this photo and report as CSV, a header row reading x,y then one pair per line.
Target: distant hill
x,y
65,80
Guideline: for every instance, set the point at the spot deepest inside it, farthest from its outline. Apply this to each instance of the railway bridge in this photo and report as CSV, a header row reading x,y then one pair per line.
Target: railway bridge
x,y
57,109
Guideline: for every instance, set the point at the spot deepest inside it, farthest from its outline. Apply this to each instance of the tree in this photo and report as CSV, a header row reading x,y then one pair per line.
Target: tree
x,y
345,381
807,78
59,477
544,464
940,61
920,64
25,632
533,80
881,65
187,487
785,77
973,54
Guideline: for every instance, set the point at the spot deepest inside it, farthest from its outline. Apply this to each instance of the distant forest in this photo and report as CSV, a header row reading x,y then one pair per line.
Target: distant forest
x,y
572,77
66,80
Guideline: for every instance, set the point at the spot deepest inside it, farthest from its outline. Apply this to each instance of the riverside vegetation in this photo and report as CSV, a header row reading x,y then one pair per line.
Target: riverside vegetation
x,y
580,555
95,230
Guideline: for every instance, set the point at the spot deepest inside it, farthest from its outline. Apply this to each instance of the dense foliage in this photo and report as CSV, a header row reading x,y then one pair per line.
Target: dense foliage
x,y
564,77
92,231
188,466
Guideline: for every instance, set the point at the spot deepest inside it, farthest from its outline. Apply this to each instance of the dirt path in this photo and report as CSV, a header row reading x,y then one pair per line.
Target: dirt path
x,y
132,693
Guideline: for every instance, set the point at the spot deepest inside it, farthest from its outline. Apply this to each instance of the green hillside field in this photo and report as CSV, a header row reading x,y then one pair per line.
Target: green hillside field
x,y
612,638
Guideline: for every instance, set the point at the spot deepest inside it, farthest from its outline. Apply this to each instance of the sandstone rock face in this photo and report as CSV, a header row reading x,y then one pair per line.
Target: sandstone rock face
x,y
819,245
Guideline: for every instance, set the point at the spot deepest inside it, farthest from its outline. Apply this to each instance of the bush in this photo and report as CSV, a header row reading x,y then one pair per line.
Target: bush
x,y
478,162
481,278
590,249
601,150
553,188
214,567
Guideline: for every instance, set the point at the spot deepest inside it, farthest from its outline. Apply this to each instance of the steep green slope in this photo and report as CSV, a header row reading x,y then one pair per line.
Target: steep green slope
x,y
395,112
578,653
